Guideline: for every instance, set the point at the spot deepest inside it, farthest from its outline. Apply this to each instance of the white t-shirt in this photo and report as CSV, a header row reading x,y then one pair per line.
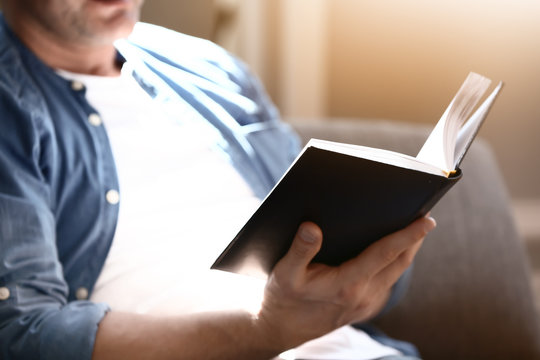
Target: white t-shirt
x,y
181,202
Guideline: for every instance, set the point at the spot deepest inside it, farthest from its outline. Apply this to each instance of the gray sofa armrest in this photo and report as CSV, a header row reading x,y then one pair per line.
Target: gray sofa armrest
x,y
470,295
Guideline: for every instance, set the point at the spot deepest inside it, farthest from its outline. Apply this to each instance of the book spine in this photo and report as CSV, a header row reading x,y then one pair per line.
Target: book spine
x,y
445,186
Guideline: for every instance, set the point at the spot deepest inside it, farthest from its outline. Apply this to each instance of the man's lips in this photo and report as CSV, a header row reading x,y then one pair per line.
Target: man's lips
x,y
112,2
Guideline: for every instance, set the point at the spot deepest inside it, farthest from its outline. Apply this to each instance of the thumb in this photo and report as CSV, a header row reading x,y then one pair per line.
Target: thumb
x,y
306,244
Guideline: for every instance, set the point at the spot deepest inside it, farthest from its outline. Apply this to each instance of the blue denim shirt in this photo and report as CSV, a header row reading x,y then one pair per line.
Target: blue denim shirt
x,y
56,167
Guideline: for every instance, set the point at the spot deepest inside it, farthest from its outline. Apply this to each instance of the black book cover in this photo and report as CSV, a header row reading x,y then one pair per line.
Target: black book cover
x,y
355,202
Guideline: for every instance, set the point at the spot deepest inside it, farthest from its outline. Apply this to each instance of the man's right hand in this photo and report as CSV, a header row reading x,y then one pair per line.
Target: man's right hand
x,y
305,300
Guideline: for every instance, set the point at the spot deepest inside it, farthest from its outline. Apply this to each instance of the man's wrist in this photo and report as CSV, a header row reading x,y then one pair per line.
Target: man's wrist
x,y
269,335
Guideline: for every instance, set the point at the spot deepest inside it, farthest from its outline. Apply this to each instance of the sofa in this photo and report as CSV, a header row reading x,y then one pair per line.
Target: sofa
x,y
470,295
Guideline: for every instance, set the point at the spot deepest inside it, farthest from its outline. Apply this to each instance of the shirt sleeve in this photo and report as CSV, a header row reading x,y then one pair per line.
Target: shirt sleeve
x,y
398,291
275,141
36,321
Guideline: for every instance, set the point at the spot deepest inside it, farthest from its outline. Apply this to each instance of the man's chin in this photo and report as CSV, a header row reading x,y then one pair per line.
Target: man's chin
x,y
110,20
111,30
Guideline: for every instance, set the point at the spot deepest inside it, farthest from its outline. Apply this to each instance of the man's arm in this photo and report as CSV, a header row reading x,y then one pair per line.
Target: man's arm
x,y
302,301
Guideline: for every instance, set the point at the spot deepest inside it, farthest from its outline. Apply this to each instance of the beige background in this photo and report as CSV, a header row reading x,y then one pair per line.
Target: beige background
x,y
405,60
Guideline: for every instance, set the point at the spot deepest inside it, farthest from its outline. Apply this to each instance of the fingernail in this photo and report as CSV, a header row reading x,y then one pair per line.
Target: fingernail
x,y
307,234
431,224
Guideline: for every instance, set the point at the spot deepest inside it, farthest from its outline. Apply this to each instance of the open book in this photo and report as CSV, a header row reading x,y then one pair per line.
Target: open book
x,y
358,194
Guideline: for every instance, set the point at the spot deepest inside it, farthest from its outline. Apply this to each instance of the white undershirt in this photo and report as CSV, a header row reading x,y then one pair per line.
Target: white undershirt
x,y
181,202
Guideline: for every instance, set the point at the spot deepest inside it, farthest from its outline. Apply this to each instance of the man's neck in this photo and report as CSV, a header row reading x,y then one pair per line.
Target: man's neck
x,y
92,59
79,59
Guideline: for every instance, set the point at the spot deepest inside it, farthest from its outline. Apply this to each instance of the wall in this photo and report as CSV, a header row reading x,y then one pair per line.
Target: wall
x,y
194,17
404,60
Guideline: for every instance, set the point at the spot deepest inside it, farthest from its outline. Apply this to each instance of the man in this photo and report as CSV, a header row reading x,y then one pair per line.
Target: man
x,y
60,193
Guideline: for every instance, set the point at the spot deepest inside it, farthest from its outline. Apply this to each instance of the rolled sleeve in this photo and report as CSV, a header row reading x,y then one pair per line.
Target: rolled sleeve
x,y
35,319
66,332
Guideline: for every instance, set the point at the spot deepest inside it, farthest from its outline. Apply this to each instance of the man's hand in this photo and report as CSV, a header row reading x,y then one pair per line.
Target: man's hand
x,y
302,301
305,300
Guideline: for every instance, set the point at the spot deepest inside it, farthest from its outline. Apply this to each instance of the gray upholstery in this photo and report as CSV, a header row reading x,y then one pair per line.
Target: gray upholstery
x,y
470,295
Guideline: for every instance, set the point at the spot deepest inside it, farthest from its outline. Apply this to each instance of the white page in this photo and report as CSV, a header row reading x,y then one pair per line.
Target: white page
x,y
438,149
379,155
470,129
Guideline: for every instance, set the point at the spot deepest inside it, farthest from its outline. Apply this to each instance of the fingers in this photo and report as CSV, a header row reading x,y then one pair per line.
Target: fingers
x,y
384,260
389,275
326,297
306,244
401,245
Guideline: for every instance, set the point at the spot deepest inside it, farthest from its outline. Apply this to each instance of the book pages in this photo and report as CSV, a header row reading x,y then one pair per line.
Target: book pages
x,y
468,132
438,149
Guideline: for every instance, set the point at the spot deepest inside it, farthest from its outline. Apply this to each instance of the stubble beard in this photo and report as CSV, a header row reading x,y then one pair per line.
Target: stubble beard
x,y
83,29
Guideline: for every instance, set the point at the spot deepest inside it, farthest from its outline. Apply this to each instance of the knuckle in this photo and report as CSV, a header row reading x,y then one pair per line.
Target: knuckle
x,y
352,293
344,296
420,233
389,254
287,285
406,259
421,230
364,307
299,251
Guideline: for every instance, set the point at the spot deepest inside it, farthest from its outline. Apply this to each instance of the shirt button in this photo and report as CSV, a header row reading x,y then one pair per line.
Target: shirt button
x,y
113,197
81,293
77,85
4,293
94,119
